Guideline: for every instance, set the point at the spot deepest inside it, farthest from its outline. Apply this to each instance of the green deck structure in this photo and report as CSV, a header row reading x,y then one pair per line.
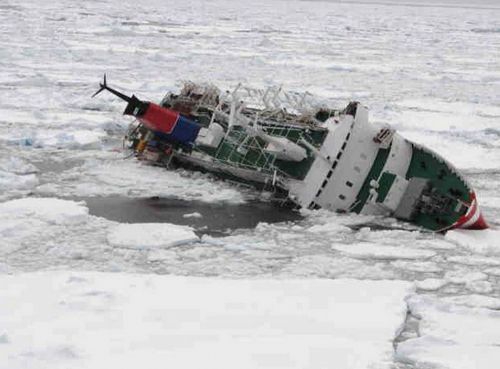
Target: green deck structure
x,y
241,150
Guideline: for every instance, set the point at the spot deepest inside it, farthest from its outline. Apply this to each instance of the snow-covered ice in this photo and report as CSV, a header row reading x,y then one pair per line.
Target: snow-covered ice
x,y
487,242
150,235
374,251
17,165
16,175
95,320
431,284
429,68
474,301
452,336
192,215
116,175
67,138
51,210
12,182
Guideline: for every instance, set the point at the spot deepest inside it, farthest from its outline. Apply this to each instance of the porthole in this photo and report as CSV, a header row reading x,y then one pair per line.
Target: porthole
x,y
329,174
319,192
334,165
348,184
325,182
339,155
342,197
344,145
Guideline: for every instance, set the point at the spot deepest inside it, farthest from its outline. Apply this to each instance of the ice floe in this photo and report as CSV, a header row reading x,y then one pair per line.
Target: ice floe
x,y
448,146
39,224
50,210
483,287
329,227
493,271
442,121
431,284
16,175
460,276
335,267
475,260
155,255
453,107
444,61
451,336
417,266
150,235
473,301
17,165
374,251
73,139
193,215
15,182
87,320
119,176
484,242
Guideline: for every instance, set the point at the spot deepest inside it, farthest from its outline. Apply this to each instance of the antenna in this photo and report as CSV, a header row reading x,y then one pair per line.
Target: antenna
x,y
104,86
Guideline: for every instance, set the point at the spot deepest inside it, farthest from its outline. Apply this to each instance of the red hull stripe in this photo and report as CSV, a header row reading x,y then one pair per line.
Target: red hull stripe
x,y
480,223
473,219
160,119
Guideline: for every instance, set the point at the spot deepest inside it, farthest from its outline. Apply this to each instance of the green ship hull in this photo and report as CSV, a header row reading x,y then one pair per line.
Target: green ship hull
x,y
309,155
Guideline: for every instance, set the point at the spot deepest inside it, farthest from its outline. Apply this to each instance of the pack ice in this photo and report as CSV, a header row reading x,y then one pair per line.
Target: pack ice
x,y
431,69
96,320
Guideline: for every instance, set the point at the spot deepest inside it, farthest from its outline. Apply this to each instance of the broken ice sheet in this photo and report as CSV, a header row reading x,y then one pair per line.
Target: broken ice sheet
x,y
150,235
452,336
85,320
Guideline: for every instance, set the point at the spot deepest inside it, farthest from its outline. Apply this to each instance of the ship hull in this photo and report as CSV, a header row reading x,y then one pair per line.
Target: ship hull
x,y
332,159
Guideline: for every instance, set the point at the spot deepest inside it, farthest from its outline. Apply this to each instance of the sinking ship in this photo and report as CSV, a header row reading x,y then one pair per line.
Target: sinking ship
x,y
305,153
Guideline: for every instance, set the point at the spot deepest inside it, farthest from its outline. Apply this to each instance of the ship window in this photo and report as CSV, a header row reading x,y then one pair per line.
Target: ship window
x,y
342,197
325,182
319,192
334,165
339,155
344,145
348,135
349,184
357,169
328,157
329,174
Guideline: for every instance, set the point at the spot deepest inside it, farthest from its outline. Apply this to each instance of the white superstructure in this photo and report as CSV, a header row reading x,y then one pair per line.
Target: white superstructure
x,y
344,161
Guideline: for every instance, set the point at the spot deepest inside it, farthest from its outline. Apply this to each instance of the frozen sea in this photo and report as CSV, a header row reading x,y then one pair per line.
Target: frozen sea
x,y
83,284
